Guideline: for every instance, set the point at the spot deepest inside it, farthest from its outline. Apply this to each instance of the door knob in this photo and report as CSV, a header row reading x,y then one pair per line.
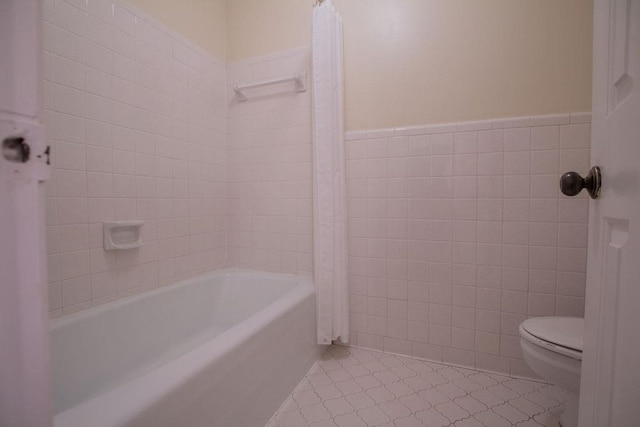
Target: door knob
x,y
571,183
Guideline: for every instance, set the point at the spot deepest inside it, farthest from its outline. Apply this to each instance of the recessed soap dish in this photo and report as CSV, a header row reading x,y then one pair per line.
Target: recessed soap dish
x,y
120,235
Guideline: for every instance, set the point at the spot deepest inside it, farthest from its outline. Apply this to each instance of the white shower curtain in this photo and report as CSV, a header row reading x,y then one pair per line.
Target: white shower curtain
x,y
329,182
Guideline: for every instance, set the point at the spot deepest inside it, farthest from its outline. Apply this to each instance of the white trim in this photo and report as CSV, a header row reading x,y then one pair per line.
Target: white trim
x,y
468,126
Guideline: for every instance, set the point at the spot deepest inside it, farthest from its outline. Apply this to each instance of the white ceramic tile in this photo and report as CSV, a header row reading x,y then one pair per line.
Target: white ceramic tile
x,y
442,144
465,142
491,141
431,215
76,291
102,9
98,57
465,164
473,126
573,210
440,128
574,160
549,120
575,136
70,17
517,139
516,210
513,122
517,162
516,186
87,199
490,163
544,210
569,306
581,117
123,19
543,186
378,389
516,278
544,161
123,44
545,137
411,130
69,45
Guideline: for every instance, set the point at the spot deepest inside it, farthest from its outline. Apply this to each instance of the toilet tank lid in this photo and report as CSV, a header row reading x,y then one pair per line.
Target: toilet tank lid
x,y
564,331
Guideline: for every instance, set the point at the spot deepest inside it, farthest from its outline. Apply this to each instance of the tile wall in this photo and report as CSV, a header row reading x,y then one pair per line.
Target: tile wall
x,y
137,121
269,155
458,232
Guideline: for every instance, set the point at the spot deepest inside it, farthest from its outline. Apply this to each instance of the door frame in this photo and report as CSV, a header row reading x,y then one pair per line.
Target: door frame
x,y
25,397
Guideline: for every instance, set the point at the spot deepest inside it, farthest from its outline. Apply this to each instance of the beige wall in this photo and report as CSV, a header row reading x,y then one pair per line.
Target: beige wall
x,y
258,27
201,21
410,62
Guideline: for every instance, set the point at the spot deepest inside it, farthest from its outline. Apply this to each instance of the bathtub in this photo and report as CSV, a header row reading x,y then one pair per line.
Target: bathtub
x,y
224,349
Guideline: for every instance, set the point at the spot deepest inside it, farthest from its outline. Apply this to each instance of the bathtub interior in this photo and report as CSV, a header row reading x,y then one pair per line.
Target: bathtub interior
x,y
95,351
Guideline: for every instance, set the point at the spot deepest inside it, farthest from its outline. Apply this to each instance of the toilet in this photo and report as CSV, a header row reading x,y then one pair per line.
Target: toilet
x,y
552,347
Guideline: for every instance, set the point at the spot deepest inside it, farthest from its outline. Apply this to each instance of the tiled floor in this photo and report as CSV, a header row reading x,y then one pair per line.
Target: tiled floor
x,y
351,387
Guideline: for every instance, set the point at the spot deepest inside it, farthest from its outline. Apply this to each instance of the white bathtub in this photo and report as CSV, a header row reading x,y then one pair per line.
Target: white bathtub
x,y
223,349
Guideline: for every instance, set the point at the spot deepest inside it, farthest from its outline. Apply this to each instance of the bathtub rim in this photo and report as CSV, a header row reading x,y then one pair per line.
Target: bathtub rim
x,y
122,403
60,322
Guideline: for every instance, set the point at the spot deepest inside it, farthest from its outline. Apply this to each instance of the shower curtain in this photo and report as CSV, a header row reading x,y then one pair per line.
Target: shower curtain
x,y
329,182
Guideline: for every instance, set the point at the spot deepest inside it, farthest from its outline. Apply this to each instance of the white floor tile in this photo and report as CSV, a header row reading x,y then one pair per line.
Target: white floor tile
x,y
351,387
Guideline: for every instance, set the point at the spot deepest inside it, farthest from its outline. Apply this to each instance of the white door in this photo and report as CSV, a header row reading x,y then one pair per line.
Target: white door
x,y
610,388
24,329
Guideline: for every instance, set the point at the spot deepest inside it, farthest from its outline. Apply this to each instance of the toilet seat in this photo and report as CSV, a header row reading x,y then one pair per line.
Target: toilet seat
x,y
562,335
